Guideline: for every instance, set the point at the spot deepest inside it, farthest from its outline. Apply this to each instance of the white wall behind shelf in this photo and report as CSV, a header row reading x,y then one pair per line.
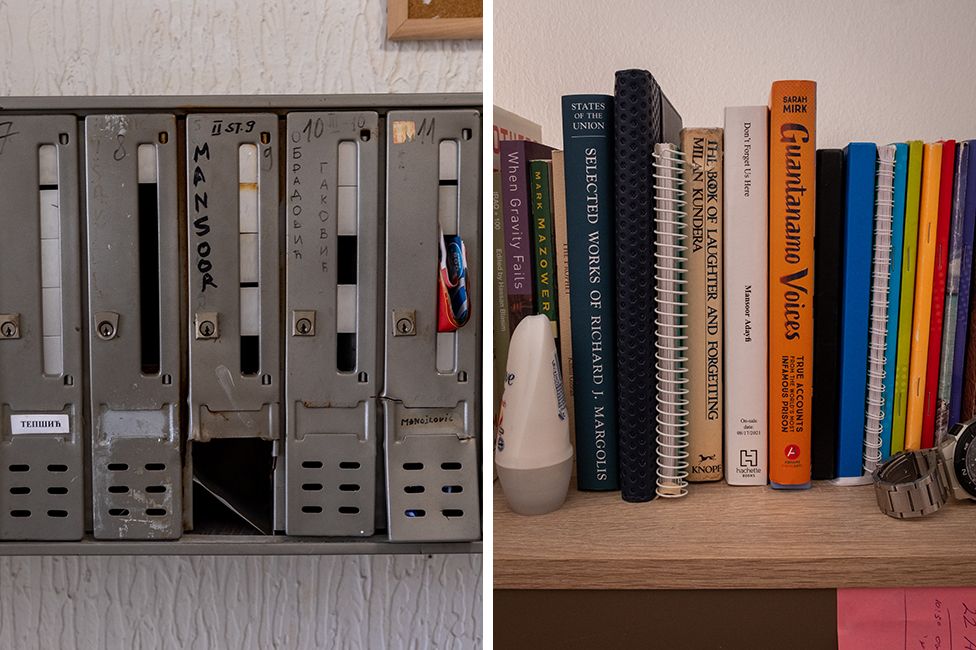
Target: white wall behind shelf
x,y
886,70
120,47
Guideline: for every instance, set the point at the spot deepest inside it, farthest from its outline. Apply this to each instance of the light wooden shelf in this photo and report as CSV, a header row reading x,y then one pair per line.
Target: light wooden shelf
x,y
723,537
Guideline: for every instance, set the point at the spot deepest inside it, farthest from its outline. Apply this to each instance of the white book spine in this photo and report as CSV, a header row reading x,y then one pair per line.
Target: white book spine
x,y
746,281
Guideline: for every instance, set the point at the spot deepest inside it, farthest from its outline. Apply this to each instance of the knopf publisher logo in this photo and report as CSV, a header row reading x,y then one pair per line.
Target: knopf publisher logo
x,y
792,452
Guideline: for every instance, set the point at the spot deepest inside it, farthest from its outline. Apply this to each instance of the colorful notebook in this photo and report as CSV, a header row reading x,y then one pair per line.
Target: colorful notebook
x,y
965,284
953,277
928,223
894,293
913,190
938,293
859,163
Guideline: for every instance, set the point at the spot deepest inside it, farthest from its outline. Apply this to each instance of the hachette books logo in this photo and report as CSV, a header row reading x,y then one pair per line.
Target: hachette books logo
x,y
792,452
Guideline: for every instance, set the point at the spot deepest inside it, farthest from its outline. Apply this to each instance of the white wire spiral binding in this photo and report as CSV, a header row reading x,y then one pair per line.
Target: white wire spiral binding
x,y
880,273
669,310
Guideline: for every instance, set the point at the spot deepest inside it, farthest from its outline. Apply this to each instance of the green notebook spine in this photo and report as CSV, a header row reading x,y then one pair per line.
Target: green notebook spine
x,y
910,252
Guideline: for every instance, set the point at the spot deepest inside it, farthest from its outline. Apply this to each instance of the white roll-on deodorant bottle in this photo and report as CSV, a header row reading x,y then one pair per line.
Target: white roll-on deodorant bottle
x,y
533,453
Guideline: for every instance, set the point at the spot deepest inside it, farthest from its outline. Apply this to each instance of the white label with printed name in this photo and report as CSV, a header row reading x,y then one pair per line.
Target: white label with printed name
x,y
38,424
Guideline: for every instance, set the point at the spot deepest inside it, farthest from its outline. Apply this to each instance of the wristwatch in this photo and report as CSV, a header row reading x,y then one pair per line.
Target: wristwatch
x,y
918,483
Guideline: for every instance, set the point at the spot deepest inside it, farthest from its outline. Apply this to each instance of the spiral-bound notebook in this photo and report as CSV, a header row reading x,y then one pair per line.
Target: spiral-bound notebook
x,y
670,257
878,327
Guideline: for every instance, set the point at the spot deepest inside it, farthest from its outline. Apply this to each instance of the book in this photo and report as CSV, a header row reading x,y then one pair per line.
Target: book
x,y
745,245
643,117
953,277
894,294
588,166
928,222
702,149
792,210
875,407
903,354
967,406
540,179
829,250
670,254
965,285
500,328
506,125
562,286
860,159
517,218
938,293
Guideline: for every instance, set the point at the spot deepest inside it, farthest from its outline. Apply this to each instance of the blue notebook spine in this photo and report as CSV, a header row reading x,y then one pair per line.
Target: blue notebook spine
x,y
952,309
860,159
965,289
894,293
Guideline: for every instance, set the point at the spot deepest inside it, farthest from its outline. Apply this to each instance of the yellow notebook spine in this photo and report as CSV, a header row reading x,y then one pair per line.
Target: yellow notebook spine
x,y
928,222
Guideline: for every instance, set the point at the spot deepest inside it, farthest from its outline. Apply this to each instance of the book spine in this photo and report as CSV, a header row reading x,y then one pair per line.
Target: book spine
x,y
828,289
928,220
500,312
587,138
965,284
875,405
953,280
745,247
792,210
562,284
913,189
518,232
859,162
703,215
938,294
894,294
545,276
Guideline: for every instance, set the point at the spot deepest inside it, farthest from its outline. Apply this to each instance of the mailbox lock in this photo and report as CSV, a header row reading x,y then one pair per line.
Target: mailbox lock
x,y
107,325
9,326
303,323
206,325
404,322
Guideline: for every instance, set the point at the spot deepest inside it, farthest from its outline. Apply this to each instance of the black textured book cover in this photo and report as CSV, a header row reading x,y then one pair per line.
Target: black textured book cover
x,y
643,117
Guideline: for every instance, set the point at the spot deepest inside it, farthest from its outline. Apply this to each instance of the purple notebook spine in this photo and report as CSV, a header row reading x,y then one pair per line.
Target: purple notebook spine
x,y
965,285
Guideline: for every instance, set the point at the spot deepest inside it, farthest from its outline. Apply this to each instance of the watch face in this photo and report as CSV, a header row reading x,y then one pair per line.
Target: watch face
x,y
964,462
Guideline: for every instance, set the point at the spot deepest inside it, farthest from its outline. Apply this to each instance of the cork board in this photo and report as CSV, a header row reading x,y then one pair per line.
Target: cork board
x,y
434,19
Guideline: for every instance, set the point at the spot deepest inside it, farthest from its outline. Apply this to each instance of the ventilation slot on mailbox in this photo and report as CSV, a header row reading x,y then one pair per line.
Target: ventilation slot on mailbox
x,y
51,315
347,224
250,289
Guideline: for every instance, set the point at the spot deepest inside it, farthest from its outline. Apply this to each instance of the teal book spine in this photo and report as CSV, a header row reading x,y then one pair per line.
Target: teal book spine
x,y
894,292
588,145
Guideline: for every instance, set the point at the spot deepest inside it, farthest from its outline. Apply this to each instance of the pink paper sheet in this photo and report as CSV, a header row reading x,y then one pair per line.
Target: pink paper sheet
x,y
907,619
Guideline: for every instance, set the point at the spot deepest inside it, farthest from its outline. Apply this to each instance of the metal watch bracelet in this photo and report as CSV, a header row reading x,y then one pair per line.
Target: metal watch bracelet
x,y
912,484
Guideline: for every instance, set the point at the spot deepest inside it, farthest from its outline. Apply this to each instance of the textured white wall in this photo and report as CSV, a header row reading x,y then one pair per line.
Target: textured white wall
x,y
886,70
64,47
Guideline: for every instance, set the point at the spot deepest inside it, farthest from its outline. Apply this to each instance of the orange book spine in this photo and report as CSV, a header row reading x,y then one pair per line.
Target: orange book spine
x,y
928,224
792,214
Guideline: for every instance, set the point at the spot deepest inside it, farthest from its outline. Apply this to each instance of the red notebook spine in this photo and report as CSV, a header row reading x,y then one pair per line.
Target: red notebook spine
x,y
938,294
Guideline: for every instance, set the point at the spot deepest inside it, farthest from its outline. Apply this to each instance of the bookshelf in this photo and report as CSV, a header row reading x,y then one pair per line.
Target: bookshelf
x,y
721,537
